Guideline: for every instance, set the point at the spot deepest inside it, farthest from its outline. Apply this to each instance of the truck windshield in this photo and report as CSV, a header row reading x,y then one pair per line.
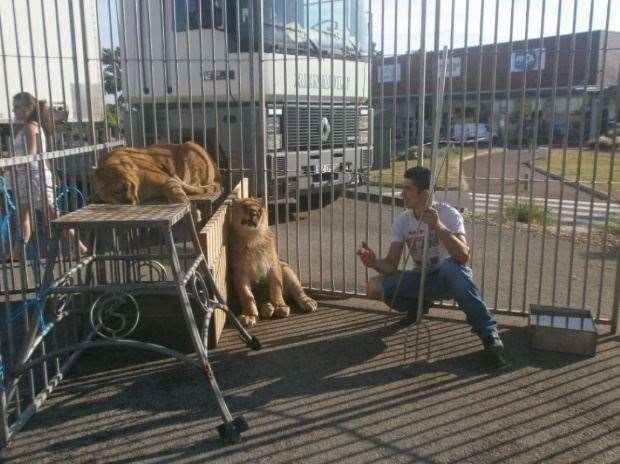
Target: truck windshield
x,y
338,26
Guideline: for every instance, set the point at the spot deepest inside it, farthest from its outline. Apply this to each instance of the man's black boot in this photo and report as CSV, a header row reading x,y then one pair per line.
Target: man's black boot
x,y
412,314
494,352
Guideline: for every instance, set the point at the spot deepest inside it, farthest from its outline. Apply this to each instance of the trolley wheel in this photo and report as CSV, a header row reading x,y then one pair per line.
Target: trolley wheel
x,y
230,432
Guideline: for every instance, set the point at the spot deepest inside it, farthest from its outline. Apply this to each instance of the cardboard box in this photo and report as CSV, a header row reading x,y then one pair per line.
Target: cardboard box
x,y
564,330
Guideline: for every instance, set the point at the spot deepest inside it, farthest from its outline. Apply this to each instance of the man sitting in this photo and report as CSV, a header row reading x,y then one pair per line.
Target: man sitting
x,y
447,273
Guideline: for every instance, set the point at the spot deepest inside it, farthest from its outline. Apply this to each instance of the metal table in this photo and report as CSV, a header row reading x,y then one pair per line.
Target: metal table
x,y
131,250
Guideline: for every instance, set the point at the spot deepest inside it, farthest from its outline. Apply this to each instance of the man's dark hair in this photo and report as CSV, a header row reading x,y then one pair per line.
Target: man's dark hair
x,y
420,177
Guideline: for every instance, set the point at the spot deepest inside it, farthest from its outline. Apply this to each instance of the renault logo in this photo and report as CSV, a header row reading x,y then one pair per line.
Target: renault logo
x,y
326,129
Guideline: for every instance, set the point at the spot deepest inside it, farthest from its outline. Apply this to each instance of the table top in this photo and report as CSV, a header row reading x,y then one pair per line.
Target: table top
x,y
103,215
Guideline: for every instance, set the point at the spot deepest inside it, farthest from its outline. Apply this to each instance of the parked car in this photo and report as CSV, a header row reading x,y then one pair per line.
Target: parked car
x,y
470,131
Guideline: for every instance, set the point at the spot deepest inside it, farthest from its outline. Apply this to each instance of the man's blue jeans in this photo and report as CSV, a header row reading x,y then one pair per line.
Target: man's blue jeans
x,y
451,280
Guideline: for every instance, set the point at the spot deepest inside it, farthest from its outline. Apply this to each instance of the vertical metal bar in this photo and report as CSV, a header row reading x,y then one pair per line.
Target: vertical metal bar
x,y
464,89
215,103
188,49
241,153
331,105
371,123
550,143
165,63
320,60
508,89
450,102
263,108
382,126
253,124
100,66
490,146
228,91
533,154
569,94
355,144
519,143
422,84
309,195
152,82
127,84
297,134
176,71
344,127
586,79
274,171
606,225
8,322
599,112
393,152
139,67
408,110
477,119
87,80
202,76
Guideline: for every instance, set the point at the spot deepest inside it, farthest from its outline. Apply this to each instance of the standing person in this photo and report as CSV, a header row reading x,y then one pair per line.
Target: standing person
x,y
30,140
447,273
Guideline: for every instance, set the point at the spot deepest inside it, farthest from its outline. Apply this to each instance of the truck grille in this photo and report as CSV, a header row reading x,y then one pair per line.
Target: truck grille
x,y
310,118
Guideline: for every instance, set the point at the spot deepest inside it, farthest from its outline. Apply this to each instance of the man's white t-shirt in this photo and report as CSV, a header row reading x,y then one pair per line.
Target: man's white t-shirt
x,y
407,229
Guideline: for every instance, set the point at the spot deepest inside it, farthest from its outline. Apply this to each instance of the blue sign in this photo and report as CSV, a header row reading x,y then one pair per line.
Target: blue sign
x,y
532,60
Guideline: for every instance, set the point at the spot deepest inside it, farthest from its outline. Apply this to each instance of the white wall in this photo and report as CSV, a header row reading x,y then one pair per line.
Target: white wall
x,y
26,65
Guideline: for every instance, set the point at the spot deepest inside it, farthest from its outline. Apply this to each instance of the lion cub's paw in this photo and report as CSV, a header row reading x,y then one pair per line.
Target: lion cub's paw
x,y
308,305
247,320
267,310
282,311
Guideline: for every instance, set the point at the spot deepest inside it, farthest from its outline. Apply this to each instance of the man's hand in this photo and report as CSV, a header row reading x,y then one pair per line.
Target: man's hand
x,y
367,255
431,218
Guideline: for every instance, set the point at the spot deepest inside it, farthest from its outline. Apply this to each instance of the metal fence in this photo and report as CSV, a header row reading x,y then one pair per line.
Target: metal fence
x,y
323,105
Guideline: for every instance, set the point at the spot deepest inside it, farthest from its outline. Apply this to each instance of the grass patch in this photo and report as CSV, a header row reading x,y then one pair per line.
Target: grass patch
x,y
396,172
613,228
522,212
586,175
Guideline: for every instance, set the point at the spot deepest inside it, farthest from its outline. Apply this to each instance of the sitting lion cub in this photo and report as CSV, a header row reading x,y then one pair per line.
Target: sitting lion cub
x,y
254,267
171,172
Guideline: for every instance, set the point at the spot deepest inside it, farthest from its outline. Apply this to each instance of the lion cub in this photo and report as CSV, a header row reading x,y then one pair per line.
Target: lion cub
x,y
254,267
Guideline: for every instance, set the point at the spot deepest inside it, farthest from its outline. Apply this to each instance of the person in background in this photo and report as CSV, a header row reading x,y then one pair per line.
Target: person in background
x,y
32,138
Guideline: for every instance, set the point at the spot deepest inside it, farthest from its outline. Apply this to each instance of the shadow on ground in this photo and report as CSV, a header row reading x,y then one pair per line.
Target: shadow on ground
x,y
339,384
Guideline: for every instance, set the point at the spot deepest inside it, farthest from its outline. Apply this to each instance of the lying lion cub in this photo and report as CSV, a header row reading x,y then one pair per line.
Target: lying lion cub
x,y
137,175
254,267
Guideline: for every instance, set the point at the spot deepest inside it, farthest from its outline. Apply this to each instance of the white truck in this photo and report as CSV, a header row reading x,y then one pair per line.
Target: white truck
x,y
293,115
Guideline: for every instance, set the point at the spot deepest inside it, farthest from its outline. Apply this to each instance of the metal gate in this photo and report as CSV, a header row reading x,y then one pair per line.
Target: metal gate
x,y
323,105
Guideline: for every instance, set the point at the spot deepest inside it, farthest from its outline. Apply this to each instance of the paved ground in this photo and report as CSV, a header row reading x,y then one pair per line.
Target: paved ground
x,y
334,387
513,168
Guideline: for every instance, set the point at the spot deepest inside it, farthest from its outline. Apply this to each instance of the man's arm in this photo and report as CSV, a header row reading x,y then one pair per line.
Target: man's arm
x,y
454,243
386,265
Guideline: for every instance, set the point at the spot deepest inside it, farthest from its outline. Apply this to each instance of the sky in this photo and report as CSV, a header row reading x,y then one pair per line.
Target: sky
x,y
541,13
389,27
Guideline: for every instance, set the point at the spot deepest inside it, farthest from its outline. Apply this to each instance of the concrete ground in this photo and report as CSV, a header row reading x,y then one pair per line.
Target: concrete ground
x,y
338,385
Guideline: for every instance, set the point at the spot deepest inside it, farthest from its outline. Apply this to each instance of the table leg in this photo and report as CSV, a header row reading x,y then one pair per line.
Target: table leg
x,y
231,429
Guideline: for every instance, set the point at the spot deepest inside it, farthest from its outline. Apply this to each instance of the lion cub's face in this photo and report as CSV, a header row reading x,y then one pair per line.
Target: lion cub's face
x,y
113,185
248,217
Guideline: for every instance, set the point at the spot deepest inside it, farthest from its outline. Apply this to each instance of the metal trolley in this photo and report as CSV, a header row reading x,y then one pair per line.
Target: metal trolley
x,y
132,249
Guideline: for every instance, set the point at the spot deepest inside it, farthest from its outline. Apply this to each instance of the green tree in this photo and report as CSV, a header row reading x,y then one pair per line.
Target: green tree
x,y
111,60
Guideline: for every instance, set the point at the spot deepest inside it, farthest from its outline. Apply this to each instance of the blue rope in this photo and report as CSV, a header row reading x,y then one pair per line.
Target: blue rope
x,y
64,191
2,386
38,303
5,224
